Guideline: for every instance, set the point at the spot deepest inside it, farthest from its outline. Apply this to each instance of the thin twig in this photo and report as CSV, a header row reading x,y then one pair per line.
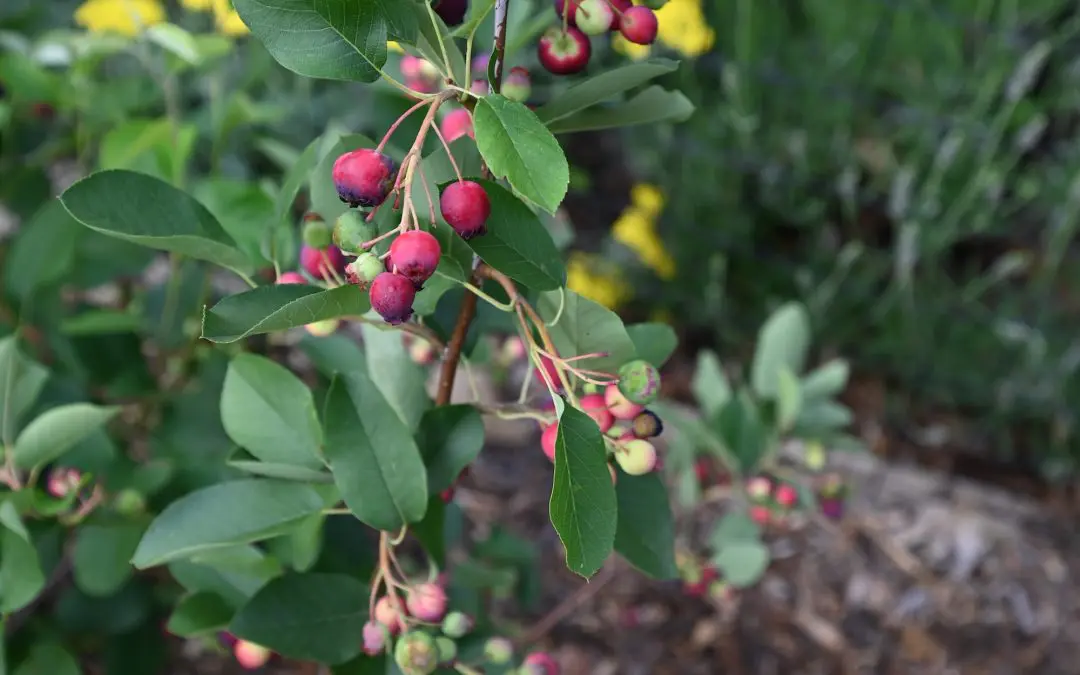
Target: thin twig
x,y
580,596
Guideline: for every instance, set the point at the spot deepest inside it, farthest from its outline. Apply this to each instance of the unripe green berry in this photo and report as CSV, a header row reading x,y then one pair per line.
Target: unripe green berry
x,y
456,625
351,230
416,654
446,648
498,651
636,457
639,382
129,502
364,269
317,234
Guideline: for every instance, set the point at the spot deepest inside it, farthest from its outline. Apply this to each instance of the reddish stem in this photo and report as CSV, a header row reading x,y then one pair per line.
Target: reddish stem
x,y
398,121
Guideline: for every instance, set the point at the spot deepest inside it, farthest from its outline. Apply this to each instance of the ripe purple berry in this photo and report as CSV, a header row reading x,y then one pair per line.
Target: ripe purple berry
x,y
416,255
639,25
321,263
465,207
364,177
452,12
427,602
392,297
647,425
564,52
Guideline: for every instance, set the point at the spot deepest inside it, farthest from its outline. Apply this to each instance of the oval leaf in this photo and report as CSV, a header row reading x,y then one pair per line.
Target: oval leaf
x,y
518,147
150,212
601,87
101,560
654,342
742,563
198,614
645,535
56,431
651,106
517,244
236,512
269,412
583,506
279,307
372,454
309,617
21,577
450,438
586,327
782,343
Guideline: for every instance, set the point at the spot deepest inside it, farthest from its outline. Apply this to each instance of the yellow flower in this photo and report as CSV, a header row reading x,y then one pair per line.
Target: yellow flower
x,y
587,275
227,20
636,229
648,198
681,26
126,17
197,5
392,46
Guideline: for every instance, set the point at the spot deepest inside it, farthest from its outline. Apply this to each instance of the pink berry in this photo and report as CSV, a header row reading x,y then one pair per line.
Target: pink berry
x,y
364,177
318,262
547,441
62,481
250,655
620,406
447,495
480,63
416,255
374,635
639,25
517,85
386,615
479,87
292,278
465,207
758,488
564,52
786,495
457,123
619,6
760,515
392,297
561,8
540,663
594,17
595,407
427,602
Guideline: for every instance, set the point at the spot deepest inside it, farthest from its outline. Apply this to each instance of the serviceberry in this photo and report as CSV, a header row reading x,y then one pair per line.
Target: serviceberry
x,y
570,12
786,495
322,328
618,7
539,663
129,502
388,616
636,457
352,230
457,123
62,482
392,297
832,507
619,405
760,514
639,25
595,407
498,651
594,17
456,625
564,52
639,381
547,440
416,255
322,263
364,177
416,654
250,655
552,373
427,602
364,269
375,636
465,207
291,278
647,425
759,488
446,648
517,85
317,234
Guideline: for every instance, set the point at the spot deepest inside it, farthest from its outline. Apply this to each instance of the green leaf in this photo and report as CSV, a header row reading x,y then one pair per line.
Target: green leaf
x,y
429,530
176,41
269,412
102,556
654,342
788,400
302,546
645,535
21,381
710,384
828,379
48,658
281,471
198,614
21,577
149,146
268,309
734,528
742,563
296,178
102,322
583,505
783,342
653,105
602,87
742,431
235,573
822,418
328,39
450,438
518,147
244,210
309,617
148,211
586,327
372,454
43,252
57,430
235,512
402,382
517,244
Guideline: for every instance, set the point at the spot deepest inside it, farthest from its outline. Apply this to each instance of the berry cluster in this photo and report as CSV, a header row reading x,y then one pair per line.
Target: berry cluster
x,y
700,578
620,413
565,49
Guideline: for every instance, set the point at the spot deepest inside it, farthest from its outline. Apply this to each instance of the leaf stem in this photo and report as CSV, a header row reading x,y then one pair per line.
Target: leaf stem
x,y
449,153
397,123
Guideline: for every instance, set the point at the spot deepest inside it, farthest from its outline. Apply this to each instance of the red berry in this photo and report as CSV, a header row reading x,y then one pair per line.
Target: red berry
x,y
786,495
416,255
639,25
594,407
619,6
392,297
560,9
318,262
292,278
457,123
447,495
539,663
364,177
564,52
760,515
547,440
465,207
